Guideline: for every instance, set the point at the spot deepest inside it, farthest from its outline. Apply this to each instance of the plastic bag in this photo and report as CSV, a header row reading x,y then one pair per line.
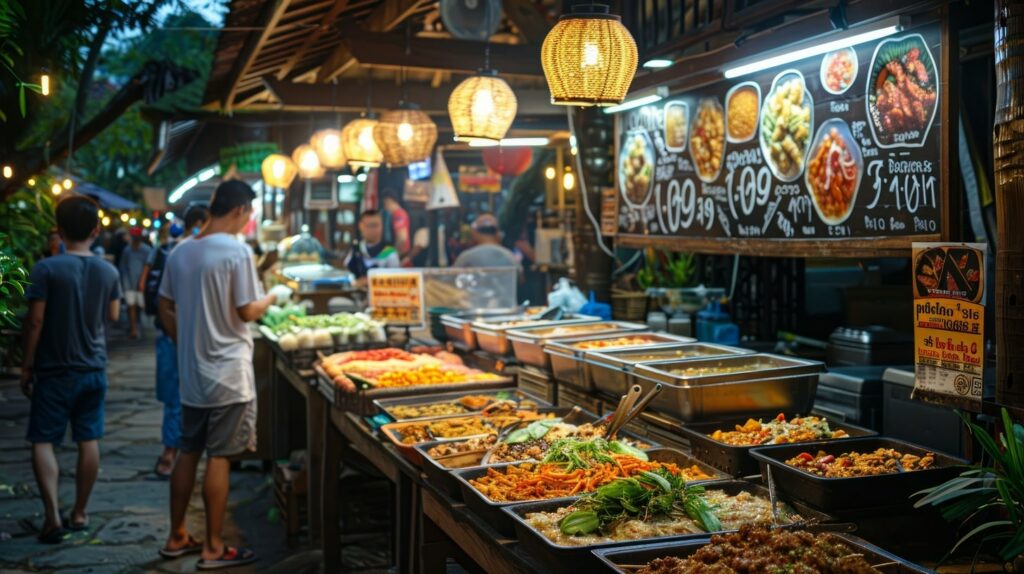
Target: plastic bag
x,y
567,296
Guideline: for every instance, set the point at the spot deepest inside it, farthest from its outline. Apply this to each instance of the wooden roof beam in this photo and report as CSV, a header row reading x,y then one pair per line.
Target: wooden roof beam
x,y
253,44
384,18
389,50
311,39
531,23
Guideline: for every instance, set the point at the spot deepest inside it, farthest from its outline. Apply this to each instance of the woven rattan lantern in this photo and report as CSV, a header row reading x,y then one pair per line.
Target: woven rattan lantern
x,y
327,144
405,135
278,170
358,144
482,107
589,58
306,159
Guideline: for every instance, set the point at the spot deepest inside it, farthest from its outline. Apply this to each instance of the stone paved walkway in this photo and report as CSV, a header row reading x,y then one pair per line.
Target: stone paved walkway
x,y
128,508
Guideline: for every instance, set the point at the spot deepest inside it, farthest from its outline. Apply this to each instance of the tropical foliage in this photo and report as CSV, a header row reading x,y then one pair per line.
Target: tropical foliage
x,y
664,269
993,494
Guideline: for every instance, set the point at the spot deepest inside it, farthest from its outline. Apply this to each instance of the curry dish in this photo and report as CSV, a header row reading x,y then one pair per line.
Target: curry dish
x,y
852,464
778,431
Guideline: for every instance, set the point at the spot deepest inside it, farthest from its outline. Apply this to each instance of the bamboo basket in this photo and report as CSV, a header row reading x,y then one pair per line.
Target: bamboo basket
x,y
629,305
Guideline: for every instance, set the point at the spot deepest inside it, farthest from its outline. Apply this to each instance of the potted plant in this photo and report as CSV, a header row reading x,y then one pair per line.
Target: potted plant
x,y
988,500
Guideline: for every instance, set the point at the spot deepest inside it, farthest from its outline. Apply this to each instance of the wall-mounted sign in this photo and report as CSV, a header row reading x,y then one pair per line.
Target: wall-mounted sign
x,y
396,296
609,211
478,179
844,146
949,321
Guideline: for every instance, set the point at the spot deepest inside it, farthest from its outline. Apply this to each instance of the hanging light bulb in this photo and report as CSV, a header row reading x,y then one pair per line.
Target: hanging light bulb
x,y
124,217
31,182
8,172
358,144
56,189
405,135
568,180
44,84
106,222
278,170
482,108
306,159
589,58
67,183
550,172
327,144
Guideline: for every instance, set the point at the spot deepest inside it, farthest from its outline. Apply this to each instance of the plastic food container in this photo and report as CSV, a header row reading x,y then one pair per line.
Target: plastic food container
x,y
528,342
492,512
883,491
562,558
611,371
618,559
736,460
726,387
568,360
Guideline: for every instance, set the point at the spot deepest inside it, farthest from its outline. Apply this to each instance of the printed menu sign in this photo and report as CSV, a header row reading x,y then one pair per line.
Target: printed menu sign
x,y
396,296
949,320
845,145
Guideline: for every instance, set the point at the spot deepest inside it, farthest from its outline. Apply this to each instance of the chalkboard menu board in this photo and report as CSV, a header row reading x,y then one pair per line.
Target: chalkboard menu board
x,y
845,146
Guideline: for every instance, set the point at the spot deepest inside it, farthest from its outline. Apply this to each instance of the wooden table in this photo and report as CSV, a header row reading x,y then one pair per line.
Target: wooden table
x,y
430,526
315,414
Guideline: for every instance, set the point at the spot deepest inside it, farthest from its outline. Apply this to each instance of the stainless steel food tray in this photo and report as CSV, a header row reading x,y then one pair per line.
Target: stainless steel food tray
x,y
458,325
384,405
612,371
528,342
764,385
491,334
568,364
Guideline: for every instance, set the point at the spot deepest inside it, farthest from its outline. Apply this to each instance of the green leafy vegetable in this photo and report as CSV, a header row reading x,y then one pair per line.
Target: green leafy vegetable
x,y
619,447
534,431
580,522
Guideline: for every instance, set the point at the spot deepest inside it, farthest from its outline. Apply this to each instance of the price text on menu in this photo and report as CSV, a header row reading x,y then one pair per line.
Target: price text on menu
x,y
396,296
838,146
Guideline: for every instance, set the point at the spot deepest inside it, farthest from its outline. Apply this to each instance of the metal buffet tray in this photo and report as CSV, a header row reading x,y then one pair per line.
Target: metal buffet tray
x,y
564,558
763,385
568,362
491,334
516,395
458,326
491,512
611,371
528,342
617,559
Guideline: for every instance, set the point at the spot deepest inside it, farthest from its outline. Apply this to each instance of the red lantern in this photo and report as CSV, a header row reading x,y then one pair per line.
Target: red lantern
x,y
508,160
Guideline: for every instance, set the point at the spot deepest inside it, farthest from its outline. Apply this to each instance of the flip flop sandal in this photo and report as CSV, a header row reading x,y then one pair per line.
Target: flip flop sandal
x,y
160,475
55,536
191,547
76,526
231,558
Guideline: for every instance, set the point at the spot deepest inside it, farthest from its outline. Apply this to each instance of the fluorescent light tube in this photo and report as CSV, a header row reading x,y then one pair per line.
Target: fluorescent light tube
x,y
658,63
178,193
511,142
811,51
635,103
346,178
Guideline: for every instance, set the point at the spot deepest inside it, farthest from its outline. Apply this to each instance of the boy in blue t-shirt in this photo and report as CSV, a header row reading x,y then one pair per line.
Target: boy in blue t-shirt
x,y
70,300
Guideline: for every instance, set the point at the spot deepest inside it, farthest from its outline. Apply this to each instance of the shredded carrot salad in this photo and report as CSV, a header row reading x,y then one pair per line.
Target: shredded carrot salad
x,y
535,481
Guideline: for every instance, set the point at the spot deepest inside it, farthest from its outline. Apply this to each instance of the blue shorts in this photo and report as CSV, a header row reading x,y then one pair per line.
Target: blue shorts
x,y
75,397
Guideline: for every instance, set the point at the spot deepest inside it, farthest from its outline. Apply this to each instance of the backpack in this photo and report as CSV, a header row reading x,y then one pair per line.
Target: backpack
x,y
151,292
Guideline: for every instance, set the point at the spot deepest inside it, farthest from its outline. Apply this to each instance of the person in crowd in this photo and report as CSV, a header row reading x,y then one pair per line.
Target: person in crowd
x,y
118,243
419,255
373,252
398,220
487,250
71,297
54,246
132,261
166,352
209,291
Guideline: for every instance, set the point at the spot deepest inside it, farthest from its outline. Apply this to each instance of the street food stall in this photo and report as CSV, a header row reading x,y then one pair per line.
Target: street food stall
x,y
778,146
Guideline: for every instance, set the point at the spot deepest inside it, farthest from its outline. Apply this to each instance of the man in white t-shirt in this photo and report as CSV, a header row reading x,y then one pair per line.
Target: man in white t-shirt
x,y
208,293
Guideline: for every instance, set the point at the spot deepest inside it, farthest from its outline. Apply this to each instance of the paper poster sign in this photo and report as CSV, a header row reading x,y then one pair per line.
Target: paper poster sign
x,y
397,296
949,321
478,179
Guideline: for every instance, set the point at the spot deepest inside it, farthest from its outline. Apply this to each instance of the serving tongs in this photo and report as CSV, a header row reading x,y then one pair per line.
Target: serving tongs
x,y
550,314
630,407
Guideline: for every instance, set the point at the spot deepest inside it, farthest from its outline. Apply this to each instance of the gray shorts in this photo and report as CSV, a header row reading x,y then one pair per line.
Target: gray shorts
x,y
220,431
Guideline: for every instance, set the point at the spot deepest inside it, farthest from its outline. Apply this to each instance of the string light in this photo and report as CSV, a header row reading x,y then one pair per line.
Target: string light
x,y
146,222
106,222
124,217
68,183
56,189
170,216
133,221
550,172
31,182
44,84
8,172
568,180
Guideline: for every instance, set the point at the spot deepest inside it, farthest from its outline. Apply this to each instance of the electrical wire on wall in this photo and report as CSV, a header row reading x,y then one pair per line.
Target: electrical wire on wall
x,y
583,187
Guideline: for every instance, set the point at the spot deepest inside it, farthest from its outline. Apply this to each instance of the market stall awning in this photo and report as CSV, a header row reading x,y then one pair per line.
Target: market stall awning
x,y
106,199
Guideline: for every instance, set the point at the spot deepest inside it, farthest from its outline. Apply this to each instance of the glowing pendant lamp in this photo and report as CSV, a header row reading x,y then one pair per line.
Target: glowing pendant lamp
x,y
278,170
589,58
482,108
309,164
358,144
327,144
405,135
